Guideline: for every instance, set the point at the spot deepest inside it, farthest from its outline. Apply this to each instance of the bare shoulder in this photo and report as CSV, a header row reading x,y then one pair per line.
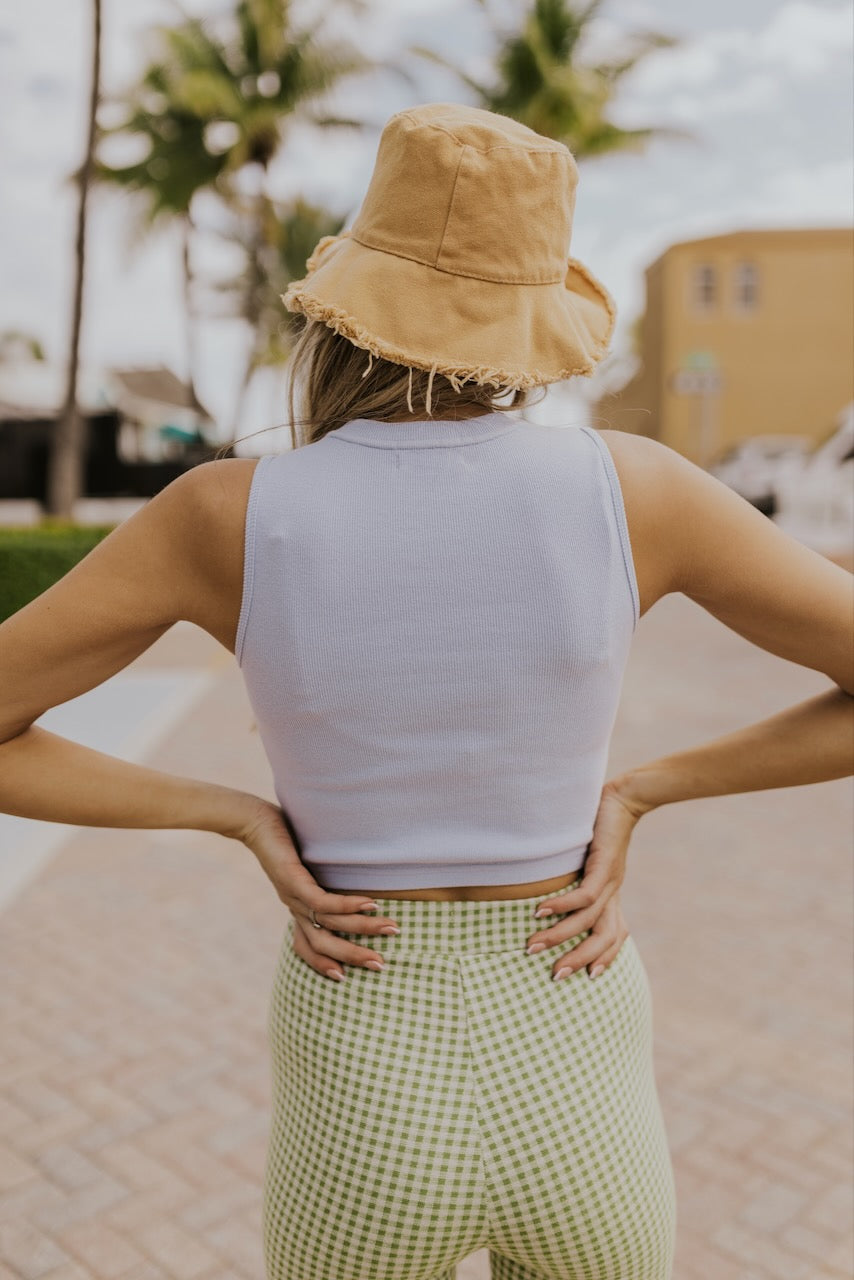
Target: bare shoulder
x,y
206,510
202,512
642,467
694,534
214,490
180,556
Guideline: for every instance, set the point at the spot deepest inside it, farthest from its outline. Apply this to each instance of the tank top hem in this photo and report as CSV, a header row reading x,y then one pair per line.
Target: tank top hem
x,y
342,877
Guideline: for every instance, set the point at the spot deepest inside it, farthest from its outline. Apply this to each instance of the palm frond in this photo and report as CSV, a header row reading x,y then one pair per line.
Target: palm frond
x,y
430,55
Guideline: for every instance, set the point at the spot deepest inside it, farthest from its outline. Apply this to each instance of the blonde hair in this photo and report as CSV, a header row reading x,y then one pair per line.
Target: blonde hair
x,y
340,381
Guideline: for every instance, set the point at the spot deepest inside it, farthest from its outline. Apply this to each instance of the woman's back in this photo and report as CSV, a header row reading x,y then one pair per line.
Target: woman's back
x,y
435,622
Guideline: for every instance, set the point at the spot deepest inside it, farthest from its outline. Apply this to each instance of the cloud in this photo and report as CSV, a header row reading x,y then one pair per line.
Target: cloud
x,y
753,91
821,193
804,37
801,39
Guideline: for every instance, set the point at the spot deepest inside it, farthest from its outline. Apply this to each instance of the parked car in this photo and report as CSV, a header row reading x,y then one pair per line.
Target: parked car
x,y
757,467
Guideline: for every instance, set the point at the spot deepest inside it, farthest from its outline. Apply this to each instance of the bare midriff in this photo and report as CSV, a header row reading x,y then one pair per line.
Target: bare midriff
x,y
477,892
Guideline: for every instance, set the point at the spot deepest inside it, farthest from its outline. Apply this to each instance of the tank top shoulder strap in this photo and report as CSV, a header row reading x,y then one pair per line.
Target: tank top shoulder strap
x,y
253,505
614,493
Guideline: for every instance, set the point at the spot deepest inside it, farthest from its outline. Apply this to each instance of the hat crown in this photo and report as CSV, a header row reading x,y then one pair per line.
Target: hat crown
x,y
472,193
458,260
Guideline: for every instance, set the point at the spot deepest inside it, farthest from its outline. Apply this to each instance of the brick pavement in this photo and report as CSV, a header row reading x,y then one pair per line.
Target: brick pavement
x,y
134,1087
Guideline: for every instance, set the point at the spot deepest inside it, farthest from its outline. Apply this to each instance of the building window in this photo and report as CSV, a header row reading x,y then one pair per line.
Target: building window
x,y
746,285
705,286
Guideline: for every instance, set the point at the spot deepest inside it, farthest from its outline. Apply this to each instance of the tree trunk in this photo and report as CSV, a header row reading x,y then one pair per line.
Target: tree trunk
x,y
242,392
66,461
189,313
251,305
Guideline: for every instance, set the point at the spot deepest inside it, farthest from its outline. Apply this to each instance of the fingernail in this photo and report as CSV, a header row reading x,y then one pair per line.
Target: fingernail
x,y
534,948
561,973
369,906
596,970
374,964
389,928
333,973
543,911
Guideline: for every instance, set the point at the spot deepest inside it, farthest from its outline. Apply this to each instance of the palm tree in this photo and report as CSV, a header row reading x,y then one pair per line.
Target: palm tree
x,y
65,462
175,166
213,111
289,233
542,81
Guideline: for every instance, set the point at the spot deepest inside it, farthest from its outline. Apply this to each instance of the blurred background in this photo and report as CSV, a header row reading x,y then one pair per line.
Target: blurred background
x,y
214,143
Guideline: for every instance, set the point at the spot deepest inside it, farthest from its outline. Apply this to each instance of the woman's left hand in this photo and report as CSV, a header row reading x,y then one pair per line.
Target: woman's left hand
x,y
593,904
262,829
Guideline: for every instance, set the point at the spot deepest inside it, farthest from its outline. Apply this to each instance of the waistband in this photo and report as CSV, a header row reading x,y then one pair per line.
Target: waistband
x,y
427,925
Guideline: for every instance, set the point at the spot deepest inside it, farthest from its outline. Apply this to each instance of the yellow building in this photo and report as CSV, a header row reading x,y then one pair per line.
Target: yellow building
x,y
743,334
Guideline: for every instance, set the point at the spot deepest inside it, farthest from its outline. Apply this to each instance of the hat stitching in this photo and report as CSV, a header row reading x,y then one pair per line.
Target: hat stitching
x,y
426,262
558,150
447,216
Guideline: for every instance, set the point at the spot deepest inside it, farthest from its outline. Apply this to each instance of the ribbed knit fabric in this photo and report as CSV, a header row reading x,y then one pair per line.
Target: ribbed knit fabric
x,y
435,622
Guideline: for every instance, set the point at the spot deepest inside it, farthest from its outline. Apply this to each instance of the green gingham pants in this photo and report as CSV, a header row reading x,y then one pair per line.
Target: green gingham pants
x,y
461,1099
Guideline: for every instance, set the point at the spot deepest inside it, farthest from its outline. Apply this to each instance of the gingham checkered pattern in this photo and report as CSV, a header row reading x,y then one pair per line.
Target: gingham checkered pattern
x,y
462,1099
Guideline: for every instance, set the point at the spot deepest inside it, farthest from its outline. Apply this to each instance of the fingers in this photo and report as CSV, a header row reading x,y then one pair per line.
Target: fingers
x,y
337,904
605,935
336,913
348,923
573,900
328,954
342,913
345,913
607,958
568,927
596,952
320,963
600,879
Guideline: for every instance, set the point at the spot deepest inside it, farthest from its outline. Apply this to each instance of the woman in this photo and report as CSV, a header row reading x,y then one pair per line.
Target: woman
x,y
432,609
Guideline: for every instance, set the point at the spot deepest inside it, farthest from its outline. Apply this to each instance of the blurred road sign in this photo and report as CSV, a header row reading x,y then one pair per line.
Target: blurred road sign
x,y
699,360
696,382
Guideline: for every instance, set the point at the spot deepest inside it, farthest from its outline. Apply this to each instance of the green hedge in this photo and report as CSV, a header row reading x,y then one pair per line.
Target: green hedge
x,y
32,559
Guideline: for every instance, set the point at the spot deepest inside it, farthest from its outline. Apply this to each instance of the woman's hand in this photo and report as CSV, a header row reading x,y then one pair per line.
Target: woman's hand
x,y
593,905
265,833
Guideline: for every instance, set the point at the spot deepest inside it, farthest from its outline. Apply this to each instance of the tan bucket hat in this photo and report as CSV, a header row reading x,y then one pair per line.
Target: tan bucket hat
x,y
457,261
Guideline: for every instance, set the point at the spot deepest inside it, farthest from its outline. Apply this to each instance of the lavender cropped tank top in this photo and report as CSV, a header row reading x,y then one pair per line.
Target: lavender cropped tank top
x,y
435,622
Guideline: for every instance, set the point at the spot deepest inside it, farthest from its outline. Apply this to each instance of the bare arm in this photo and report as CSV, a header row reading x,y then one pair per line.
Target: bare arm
x,y
702,539
716,548
810,742
151,571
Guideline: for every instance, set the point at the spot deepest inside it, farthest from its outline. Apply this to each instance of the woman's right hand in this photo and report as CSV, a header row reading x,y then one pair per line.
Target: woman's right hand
x,y
265,833
593,907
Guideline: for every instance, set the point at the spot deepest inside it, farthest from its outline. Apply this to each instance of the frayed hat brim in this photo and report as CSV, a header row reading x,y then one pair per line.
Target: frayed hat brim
x,y
507,335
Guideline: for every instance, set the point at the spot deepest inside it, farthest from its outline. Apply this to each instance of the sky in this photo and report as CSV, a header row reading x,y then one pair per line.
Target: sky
x,y
764,88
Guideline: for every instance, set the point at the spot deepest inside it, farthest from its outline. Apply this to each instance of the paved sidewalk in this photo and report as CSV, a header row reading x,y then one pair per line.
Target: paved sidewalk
x,y
134,1085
